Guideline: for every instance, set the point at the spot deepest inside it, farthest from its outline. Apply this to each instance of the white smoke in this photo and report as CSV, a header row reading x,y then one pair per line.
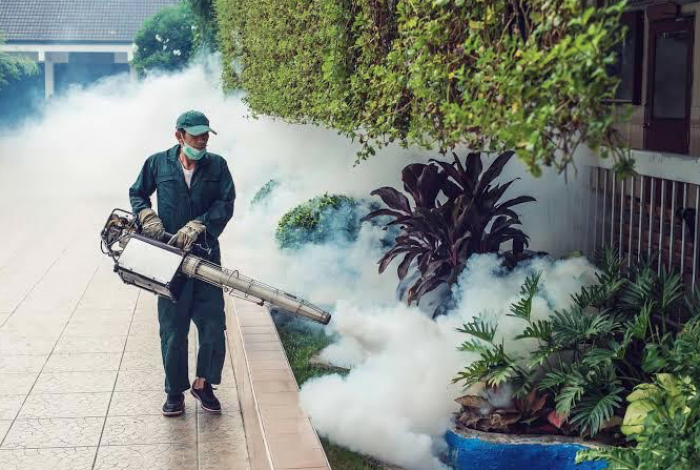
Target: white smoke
x,y
397,400
69,168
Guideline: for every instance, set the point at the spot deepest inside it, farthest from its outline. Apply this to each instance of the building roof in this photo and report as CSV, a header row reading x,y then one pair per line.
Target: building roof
x,y
70,21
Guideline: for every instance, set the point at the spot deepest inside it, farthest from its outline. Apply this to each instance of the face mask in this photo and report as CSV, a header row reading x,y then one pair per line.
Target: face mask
x,y
192,153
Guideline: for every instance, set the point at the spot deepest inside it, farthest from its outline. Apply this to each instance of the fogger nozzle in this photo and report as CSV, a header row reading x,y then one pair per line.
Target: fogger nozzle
x,y
250,289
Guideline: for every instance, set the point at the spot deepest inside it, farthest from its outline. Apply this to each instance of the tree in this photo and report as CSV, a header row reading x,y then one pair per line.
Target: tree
x,y
205,32
166,40
15,67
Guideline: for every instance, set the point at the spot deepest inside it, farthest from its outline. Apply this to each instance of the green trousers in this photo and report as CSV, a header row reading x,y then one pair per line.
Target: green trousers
x,y
204,305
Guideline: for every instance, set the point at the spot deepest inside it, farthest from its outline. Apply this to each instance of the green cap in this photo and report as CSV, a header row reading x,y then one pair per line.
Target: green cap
x,y
194,123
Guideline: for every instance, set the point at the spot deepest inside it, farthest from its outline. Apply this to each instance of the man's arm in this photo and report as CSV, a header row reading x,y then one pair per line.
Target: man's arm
x,y
221,211
141,191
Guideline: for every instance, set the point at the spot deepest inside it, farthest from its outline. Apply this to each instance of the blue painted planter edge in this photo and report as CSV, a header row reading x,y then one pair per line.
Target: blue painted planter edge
x,y
474,453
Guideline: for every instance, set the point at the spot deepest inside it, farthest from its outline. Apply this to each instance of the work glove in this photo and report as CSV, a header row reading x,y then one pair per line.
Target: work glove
x,y
186,236
151,225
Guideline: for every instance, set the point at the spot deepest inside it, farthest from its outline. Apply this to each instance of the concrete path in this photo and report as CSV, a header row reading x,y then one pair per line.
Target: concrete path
x,y
81,379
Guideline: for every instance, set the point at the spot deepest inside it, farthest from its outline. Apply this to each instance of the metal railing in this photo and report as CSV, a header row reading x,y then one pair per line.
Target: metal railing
x,y
645,217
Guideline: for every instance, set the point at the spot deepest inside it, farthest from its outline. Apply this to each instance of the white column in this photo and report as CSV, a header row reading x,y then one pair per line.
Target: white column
x,y
48,78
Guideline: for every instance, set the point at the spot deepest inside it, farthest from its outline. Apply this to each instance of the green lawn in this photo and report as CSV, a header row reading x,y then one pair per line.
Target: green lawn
x,y
301,341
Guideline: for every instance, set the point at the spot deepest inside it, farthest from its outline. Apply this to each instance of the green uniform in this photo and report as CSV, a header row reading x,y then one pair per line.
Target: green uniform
x,y
209,200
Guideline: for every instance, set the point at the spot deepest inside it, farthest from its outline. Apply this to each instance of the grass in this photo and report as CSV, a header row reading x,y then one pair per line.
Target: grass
x,y
301,341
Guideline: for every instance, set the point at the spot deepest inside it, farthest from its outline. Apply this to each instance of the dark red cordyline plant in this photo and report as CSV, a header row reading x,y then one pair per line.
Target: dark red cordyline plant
x,y
456,212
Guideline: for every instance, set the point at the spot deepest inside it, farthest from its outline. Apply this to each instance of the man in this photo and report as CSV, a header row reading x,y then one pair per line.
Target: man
x,y
195,202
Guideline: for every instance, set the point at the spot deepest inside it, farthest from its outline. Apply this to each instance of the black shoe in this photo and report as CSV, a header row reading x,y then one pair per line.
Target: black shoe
x,y
206,397
174,405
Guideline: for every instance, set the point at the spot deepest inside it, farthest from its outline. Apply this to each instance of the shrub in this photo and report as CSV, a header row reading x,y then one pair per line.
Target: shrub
x,y
165,41
261,197
590,356
319,220
435,73
669,433
437,238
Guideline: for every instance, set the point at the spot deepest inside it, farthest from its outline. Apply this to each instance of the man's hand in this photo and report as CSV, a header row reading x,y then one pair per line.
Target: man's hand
x,y
151,225
186,236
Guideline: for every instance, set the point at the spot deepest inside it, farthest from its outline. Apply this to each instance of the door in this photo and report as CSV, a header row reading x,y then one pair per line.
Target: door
x,y
667,127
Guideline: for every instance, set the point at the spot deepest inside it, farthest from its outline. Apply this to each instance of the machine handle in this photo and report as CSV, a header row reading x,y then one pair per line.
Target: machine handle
x,y
197,249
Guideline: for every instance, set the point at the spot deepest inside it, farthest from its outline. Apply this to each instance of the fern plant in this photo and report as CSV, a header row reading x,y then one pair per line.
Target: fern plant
x,y
590,356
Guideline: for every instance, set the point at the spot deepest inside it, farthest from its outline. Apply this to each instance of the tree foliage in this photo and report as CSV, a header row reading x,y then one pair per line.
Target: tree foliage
x,y
166,40
435,73
15,67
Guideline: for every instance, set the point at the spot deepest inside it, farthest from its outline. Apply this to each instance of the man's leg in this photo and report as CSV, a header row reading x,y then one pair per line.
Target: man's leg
x,y
208,314
174,320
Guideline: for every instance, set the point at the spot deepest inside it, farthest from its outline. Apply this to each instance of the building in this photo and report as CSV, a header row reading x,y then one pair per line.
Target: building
x,y
75,41
654,214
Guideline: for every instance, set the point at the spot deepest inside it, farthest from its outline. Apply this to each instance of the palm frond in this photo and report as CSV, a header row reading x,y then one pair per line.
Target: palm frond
x,y
595,409
480,328
523,308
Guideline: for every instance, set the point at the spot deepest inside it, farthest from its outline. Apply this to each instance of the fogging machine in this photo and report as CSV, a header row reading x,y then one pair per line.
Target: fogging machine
x,y
162,269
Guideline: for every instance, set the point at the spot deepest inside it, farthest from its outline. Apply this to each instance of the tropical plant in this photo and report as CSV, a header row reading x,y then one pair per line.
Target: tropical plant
x,y
319,220
492,76
590,356
665,423
456,212
166,40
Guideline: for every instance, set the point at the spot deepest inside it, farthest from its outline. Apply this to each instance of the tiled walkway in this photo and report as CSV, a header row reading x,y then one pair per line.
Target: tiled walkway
x,y
81,380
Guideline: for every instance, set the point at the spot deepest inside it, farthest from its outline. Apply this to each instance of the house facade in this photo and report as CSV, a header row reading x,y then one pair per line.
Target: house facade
x,y
654,215
75,41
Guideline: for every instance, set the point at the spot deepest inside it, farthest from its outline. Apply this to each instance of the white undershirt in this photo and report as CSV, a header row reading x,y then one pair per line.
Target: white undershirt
x,y
188,175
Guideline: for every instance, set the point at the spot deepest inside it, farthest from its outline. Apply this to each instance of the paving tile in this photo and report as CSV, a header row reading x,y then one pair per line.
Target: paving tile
x,y
281,412
304,439
54,432
214,456
96,328
228,398
132,380
20,364
278,398
138,361
150,457
10,405
249,338
4,427
274,386
250,330
280,426
14,346
220,427
83,362
264,346
75,382
66,458
82,314
259,375
17,384
293,456
144,328
148,402
87,344
65,405
130,430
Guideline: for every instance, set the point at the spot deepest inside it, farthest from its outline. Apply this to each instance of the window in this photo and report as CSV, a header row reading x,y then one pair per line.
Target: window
x,y
628,66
